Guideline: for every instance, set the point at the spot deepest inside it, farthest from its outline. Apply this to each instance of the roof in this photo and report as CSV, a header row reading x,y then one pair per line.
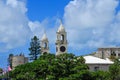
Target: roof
x,y
95,60
44,37
61,28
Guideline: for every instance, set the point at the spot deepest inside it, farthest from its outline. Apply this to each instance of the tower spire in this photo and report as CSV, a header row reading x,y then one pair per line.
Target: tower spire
x,y
44,44
61,27
44,37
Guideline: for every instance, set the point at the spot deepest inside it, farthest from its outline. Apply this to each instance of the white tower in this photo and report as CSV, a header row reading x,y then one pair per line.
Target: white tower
x,y
61,42
44,44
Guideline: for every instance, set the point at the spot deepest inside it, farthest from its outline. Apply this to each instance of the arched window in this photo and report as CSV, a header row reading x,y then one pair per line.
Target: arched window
x,y
45,45
62,37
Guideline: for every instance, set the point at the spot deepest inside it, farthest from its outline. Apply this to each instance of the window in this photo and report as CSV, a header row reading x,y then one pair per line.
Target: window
x,y
96,68
62,37
119,54
113,54
45,45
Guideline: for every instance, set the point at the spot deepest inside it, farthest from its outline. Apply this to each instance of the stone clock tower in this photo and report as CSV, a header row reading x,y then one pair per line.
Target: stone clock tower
x,y
44,44
61,42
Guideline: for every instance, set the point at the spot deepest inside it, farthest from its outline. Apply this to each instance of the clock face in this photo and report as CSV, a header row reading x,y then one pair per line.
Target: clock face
x,y
62,49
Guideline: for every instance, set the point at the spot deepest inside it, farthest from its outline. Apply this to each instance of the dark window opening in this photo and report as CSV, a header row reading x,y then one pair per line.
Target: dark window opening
x,y
96,68
44,53
113,54
62,37
119,54
45,45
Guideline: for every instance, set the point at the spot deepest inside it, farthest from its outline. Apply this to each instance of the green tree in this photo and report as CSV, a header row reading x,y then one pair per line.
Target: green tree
x,y
1,70
34,49
51,67
100,75
114,70
10,59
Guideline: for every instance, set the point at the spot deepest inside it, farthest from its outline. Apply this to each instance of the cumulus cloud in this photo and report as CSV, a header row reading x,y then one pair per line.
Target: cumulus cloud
x,y
39,28
93,23
89,23
14,29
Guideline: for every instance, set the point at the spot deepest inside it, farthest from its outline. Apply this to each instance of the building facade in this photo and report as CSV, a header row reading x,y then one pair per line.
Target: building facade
x,y
18,60
108,52
95,63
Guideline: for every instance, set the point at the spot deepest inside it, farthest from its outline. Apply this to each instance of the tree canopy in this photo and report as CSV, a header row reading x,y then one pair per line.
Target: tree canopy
x,y
34,49
62,67
51,67
115,70
10,59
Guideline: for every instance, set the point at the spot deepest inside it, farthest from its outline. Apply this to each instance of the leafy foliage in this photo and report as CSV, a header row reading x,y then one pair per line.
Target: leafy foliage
x,y
34,48
1,70
100,75
10,59
115,70
62,67
51,67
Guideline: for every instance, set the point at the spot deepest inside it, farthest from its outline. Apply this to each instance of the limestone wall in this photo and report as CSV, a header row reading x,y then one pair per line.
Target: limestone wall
x,y
94,67
17,60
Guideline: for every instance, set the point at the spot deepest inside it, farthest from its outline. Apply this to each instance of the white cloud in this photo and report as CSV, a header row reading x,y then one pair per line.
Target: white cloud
x,y
88,13
89,23
38,28
14,29
92,23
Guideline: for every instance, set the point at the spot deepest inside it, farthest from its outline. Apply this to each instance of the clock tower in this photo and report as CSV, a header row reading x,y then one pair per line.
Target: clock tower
x,y
61,42
44,44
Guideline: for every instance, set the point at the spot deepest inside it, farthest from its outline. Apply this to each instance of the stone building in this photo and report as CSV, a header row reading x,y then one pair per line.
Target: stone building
x,y
95,63
108,52
18,60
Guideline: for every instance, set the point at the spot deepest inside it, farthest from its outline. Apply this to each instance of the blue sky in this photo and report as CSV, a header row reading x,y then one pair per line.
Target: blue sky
x,y
90,24
39,10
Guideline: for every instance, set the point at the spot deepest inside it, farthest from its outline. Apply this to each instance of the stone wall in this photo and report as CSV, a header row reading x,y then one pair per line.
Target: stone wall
x,y
18,60
94,67
107,52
